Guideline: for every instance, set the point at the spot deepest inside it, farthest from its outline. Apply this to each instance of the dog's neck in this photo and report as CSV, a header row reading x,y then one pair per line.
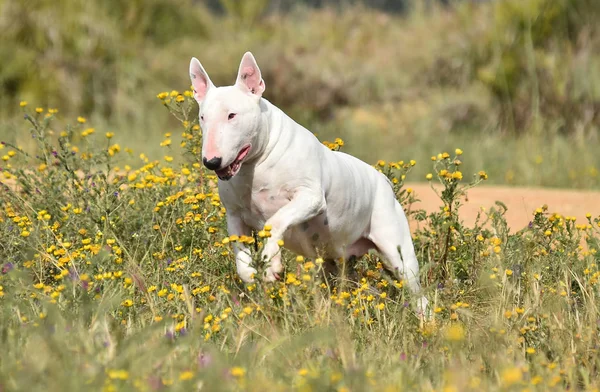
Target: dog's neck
x,y
272,131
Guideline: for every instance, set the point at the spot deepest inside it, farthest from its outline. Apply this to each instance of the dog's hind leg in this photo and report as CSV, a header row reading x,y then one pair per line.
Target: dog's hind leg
x,y
391,235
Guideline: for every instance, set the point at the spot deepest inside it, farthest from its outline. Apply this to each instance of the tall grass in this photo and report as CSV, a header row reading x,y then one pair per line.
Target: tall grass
x,y
121,278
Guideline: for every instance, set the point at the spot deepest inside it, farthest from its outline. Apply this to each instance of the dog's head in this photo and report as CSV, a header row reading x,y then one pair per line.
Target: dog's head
x,y
230,117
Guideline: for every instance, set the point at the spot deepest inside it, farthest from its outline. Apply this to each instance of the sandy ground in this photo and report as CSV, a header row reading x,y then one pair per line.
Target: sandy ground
x,y
521,202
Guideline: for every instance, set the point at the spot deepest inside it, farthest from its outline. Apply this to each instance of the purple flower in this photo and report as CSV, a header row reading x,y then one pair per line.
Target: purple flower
x,y
7,267
403,356
155,383
204,360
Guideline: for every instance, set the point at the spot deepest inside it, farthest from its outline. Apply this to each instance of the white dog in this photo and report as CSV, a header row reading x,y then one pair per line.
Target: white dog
x,y
272,171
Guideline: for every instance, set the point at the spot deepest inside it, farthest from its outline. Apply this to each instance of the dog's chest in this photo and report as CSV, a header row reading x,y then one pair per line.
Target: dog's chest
x,y
256,206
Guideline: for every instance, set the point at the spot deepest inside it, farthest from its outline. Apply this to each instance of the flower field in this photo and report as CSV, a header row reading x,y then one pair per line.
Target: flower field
x,y
118,276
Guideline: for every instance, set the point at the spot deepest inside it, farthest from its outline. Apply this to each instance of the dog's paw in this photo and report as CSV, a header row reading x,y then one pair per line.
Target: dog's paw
x,y
271,275
271,251
247,274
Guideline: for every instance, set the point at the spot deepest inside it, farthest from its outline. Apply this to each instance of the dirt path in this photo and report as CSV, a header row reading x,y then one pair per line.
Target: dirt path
x,y
521,202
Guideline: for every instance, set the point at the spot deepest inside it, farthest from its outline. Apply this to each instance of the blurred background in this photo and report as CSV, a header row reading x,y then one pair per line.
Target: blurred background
x,y
514,83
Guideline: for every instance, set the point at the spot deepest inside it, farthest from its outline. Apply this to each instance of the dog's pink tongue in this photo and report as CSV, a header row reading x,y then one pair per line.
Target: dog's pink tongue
x,y
242,154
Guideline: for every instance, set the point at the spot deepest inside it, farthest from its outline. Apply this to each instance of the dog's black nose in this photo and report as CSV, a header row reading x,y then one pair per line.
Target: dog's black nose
x,y
212,164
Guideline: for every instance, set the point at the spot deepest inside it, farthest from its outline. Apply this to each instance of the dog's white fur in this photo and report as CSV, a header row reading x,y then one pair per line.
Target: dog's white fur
x,y
313,198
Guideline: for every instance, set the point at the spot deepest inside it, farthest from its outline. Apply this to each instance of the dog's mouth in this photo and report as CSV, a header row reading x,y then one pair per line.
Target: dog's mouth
x,y
233,168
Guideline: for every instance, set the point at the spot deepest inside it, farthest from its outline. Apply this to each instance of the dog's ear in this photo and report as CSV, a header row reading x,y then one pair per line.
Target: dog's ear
x,y
200,80
249,78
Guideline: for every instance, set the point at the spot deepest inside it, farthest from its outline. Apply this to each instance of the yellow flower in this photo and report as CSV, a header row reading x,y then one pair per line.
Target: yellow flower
x,y
458,151
483,175
511,376
530,350
237,371
429,176
508,272
39,110
23,104
187,375
118,374
109,135
455,333
81,120
457,175
127,303
168,158
87,132
381,163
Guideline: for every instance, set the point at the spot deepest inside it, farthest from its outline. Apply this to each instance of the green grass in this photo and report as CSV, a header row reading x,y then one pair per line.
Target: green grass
x,y
125,281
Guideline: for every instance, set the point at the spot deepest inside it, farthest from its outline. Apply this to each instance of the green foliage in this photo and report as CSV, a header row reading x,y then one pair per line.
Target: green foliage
x,y
124,276
534,59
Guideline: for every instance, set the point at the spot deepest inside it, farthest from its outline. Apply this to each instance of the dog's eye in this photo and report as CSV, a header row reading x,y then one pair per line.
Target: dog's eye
x,y
201,118
231,116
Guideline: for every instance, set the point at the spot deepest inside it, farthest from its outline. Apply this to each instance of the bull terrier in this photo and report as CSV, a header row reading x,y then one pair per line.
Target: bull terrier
x,y
274,172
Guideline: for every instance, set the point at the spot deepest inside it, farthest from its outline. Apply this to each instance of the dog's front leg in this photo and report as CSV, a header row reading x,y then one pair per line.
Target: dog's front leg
x,y
235,226
306,204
